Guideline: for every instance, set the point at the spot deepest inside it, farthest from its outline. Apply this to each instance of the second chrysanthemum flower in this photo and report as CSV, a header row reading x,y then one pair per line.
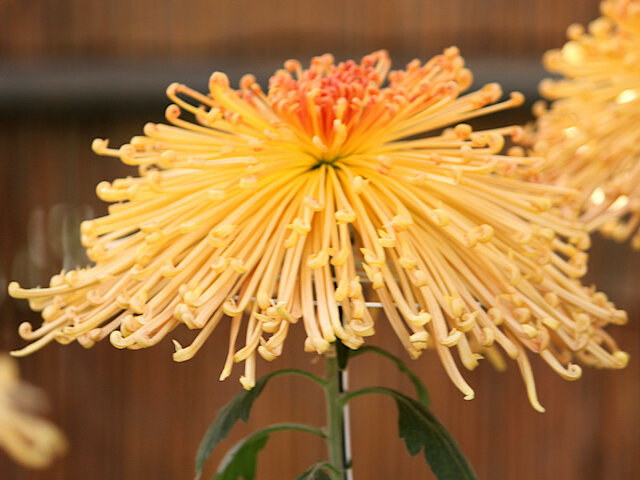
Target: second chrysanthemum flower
x,y
590,133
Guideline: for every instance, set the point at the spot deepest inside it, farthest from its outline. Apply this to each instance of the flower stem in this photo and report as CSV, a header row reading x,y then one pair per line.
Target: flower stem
x,y
335,418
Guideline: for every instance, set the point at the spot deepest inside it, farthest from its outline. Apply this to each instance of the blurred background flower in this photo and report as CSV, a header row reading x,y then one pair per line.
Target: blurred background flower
x,y
591,131
72,71
28,439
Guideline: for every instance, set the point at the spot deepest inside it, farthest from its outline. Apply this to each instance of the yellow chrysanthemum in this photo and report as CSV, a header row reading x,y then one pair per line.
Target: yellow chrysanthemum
x,y
320,196
591,132
29,439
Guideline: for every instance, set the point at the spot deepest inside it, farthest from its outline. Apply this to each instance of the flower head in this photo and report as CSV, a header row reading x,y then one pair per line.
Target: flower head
x,y
308,202
590,133
29,439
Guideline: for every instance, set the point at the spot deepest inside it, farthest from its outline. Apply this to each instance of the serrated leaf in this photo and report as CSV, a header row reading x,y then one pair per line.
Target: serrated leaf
x,y
238,408
316,472
240,462
420,429
421,390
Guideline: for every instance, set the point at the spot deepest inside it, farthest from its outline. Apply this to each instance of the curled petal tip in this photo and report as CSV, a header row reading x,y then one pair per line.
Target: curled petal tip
x,y
246,383
173,89
517,98
182,354
116,339
622,358
99,145
25,329
15,290
267,354
220,79
172,112
573,372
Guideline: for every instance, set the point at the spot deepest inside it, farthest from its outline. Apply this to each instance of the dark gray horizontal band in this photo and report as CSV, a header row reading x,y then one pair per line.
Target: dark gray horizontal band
x,y
128,86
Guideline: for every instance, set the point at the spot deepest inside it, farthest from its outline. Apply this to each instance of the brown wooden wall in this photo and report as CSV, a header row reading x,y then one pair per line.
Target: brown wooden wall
x,y
174,29
137,415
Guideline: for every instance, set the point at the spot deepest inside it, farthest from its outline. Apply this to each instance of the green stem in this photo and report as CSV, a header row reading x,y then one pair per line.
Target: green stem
x,y
335,416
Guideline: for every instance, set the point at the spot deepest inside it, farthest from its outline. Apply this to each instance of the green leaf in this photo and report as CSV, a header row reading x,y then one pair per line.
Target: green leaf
x,y
421,390
241,460
238,408
420,429
316,472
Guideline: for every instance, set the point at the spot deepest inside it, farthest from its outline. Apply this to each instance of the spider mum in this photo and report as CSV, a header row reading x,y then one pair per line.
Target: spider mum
x,y
29,439
310,201
590,133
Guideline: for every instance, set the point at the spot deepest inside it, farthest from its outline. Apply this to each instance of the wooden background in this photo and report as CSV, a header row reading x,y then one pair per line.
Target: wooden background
x,y
138,415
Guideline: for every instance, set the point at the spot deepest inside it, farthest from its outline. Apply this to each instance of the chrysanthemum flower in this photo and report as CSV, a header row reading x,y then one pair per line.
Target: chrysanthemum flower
x,y
591,132
324,194
28,438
